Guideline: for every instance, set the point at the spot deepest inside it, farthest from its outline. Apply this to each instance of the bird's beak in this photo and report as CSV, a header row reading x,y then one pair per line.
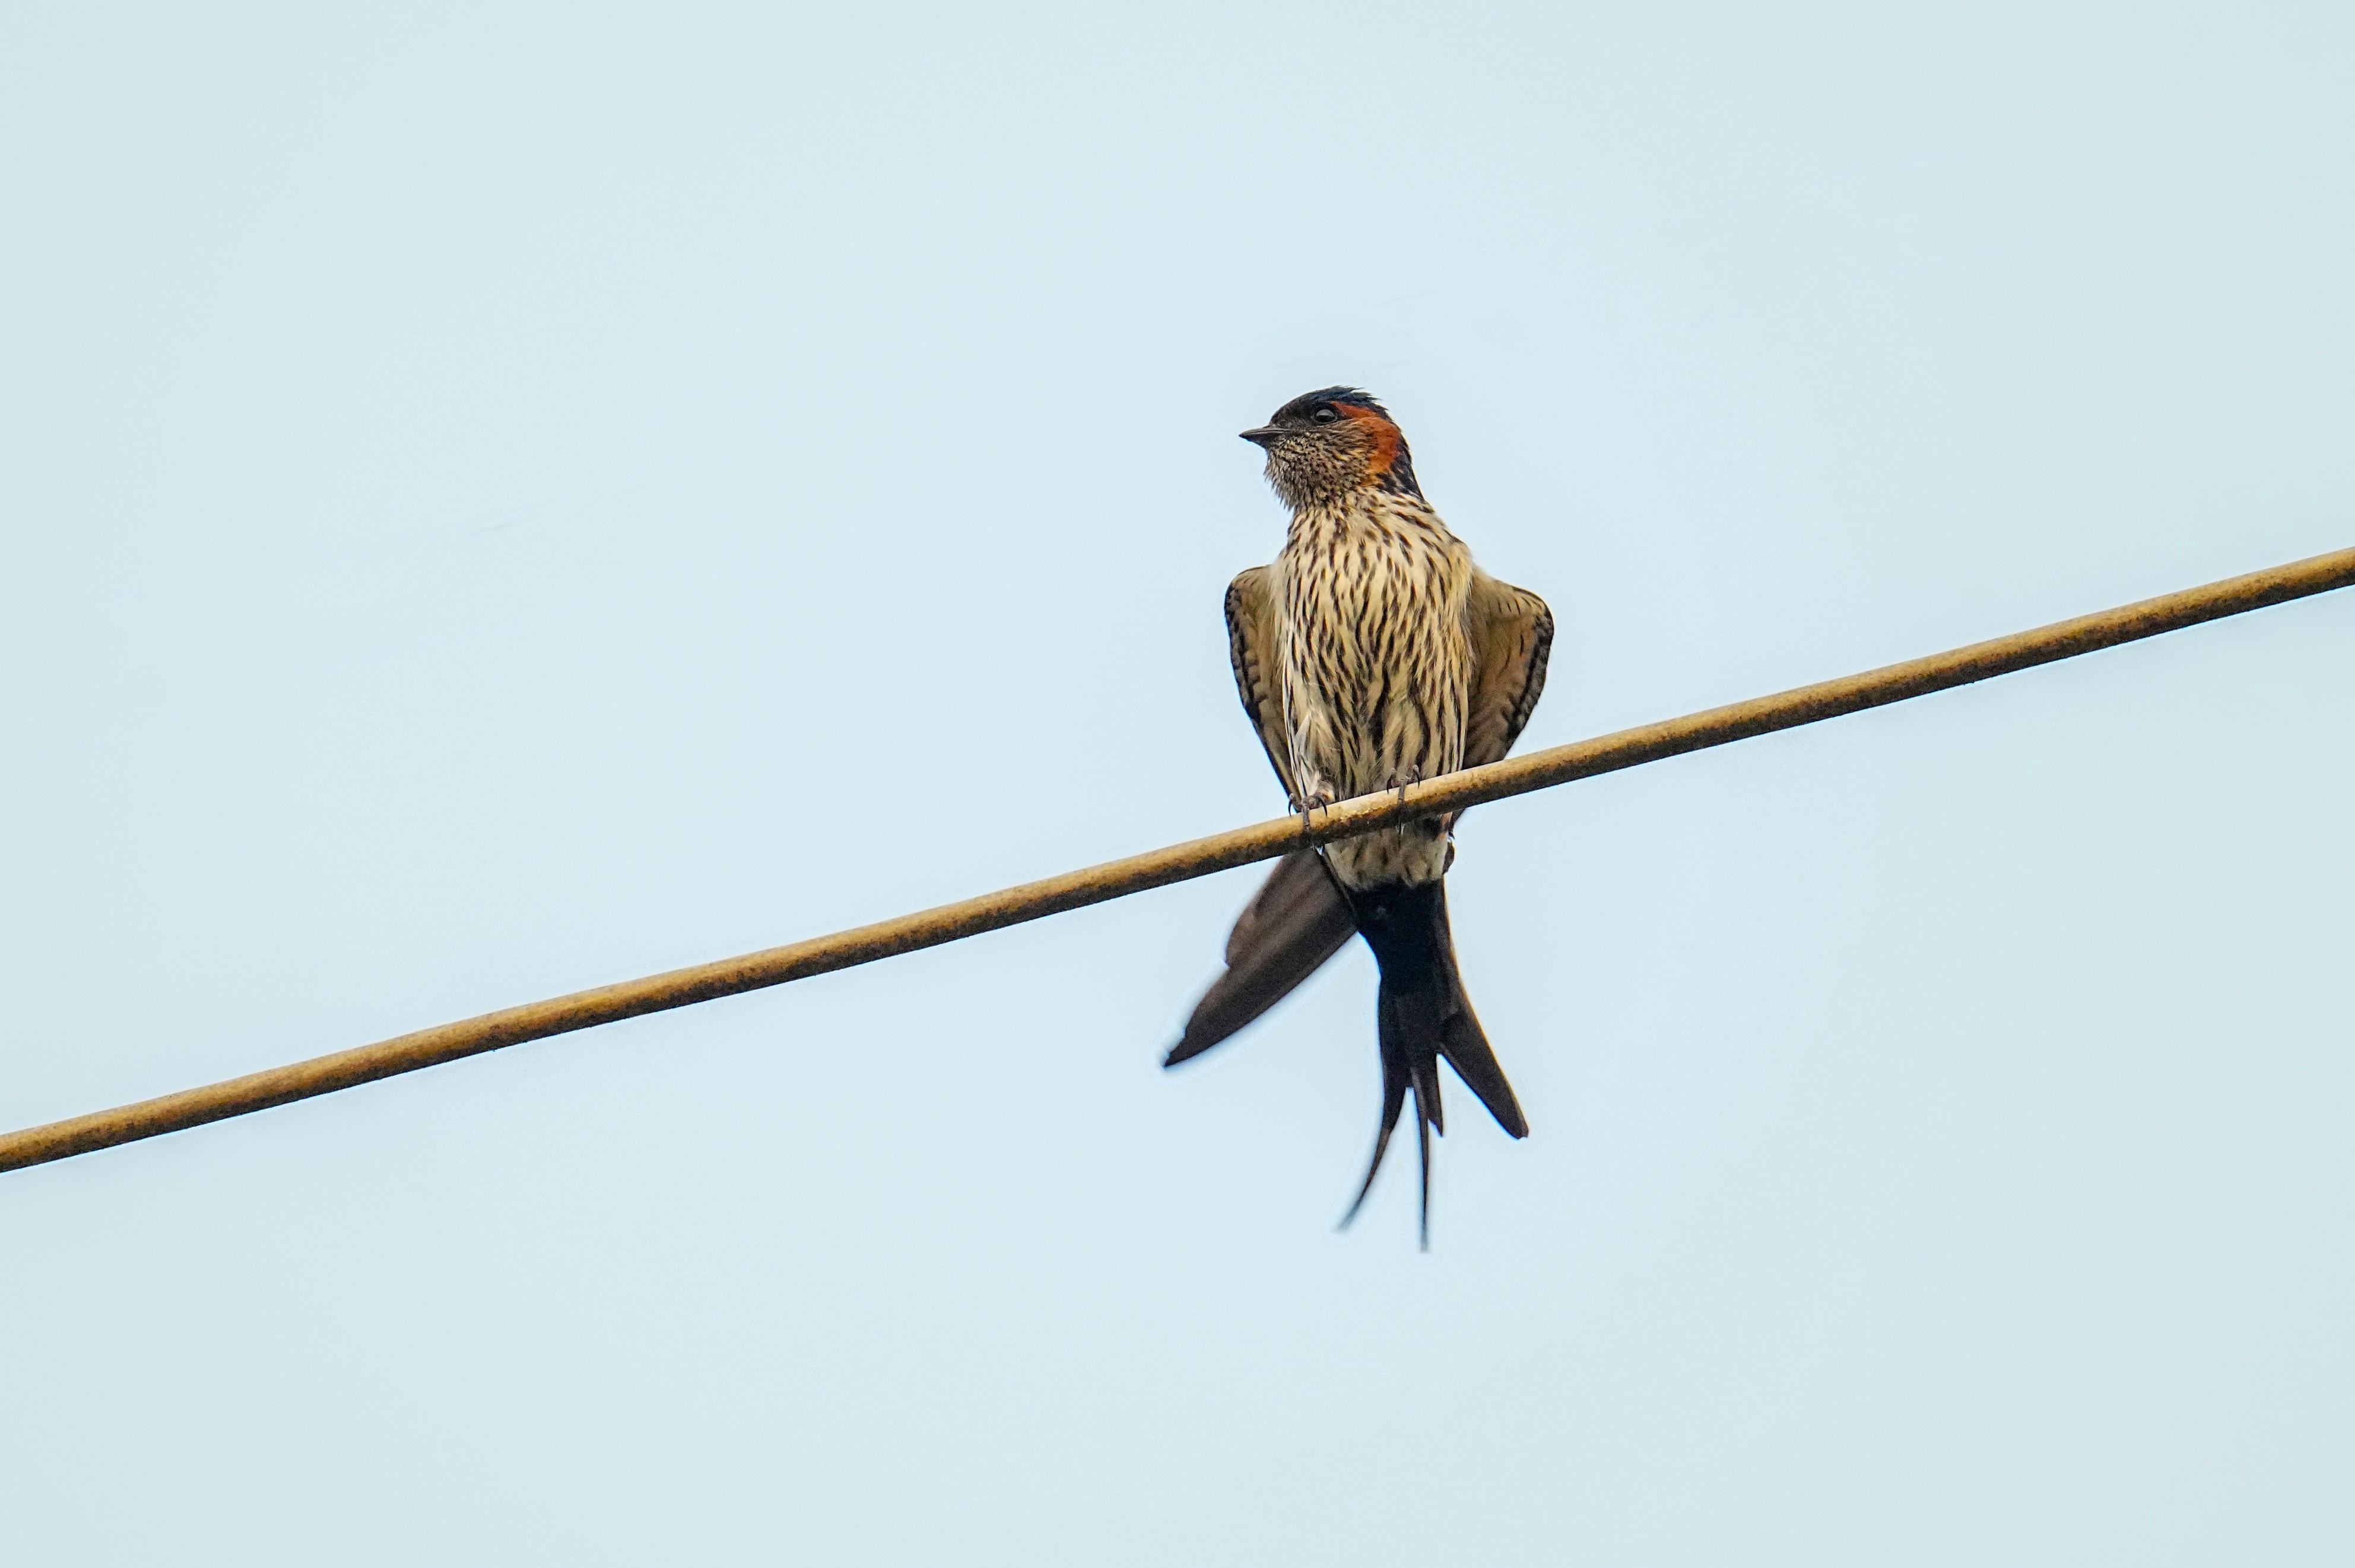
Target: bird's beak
x,y
1264,436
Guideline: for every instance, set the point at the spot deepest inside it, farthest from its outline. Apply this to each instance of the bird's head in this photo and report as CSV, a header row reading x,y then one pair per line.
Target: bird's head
x,y
1322,446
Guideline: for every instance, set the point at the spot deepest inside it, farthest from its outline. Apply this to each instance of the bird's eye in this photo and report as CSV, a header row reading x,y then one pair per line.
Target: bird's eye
x,y
1325,414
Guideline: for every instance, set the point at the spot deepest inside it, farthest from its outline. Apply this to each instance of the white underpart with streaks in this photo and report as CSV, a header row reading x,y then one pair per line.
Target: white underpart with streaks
x,y
1376,664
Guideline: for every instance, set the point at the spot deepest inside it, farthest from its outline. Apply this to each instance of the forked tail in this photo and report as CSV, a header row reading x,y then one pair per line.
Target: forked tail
x,y
1422,1015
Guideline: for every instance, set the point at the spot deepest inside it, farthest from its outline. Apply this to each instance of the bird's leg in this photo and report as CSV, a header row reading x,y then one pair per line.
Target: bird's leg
x,y
1414,776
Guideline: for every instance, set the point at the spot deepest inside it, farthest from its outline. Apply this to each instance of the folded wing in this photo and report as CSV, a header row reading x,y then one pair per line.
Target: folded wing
x,y
1512,635
1259,679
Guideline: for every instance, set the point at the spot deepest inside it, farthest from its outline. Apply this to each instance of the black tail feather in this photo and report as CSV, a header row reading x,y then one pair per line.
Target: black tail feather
x,y
1393,1101
1424,1123
1422,1015
1467,1051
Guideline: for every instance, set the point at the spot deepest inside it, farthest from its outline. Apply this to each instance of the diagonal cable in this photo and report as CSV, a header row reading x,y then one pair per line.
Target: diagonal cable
x,y
1177,863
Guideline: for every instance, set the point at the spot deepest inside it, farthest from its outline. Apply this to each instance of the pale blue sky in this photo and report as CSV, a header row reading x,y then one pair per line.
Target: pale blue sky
x,y
498,499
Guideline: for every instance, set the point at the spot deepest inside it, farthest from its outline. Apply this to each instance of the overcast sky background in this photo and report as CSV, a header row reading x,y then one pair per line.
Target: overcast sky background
x,y
498,500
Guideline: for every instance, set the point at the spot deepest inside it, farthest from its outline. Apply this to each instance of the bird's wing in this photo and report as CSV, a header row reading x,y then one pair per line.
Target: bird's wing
x,y
1294,922
1512,633
1299,919
1259,681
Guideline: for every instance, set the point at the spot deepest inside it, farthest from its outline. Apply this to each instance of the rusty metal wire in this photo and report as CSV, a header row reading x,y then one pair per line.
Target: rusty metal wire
x,y
1177,863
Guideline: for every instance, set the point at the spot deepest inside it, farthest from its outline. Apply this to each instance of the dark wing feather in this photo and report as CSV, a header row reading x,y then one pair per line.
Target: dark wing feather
x,y
1285,934
1299,919
1512,634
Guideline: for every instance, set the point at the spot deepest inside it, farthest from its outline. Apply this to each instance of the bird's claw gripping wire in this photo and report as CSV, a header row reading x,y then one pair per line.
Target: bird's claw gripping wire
x,y
1306,808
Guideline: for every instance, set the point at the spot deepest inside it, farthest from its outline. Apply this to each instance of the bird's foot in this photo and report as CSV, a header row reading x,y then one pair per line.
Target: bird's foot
x,y
1322,796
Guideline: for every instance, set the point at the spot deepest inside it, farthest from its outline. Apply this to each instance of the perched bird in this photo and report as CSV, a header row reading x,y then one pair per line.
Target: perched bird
x,y
1372,654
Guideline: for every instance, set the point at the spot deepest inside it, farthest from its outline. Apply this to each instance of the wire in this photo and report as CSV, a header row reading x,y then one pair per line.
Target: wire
x,y
1177,863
